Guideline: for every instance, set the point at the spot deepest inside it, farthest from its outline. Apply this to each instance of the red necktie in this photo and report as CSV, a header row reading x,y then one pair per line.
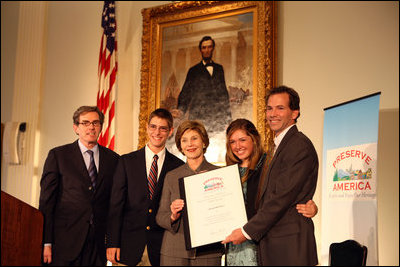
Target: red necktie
x,y
152,179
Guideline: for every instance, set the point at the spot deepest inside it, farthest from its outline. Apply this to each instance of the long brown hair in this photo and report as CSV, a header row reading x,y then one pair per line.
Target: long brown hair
x,y
251,130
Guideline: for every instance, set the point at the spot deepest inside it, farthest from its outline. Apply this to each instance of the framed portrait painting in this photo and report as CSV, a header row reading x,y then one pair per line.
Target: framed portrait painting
x,y
181,40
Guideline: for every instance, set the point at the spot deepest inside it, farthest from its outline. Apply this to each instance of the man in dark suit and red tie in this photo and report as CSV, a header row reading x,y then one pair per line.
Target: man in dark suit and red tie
x,y
133,236
75,193
284,236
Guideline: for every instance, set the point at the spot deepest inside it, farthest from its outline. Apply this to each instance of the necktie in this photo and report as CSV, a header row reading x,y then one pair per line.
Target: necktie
x,y
270,154
152,179
92,169
274,147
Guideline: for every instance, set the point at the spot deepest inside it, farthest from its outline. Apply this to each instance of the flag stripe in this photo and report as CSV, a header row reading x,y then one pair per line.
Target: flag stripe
x,y
111,112
107,72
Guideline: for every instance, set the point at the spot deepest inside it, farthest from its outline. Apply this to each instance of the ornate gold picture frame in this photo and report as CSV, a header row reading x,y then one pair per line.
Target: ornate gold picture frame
x,y
171,34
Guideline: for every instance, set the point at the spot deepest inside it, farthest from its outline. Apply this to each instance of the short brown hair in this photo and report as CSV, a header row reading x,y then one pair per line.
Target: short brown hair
x,y
195,126
85,109
294,98
163,114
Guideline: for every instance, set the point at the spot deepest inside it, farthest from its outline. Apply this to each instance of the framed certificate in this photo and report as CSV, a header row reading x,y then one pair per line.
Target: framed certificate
x,y
214,205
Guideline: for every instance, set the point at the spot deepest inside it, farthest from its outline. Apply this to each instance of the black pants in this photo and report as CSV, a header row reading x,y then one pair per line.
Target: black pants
x,y
88,255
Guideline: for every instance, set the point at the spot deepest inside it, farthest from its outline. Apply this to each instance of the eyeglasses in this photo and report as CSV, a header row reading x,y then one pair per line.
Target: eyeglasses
x,y
163,129
87,123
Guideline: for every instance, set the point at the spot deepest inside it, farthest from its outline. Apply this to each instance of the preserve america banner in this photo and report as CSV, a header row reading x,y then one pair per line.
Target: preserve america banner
x,y
349,186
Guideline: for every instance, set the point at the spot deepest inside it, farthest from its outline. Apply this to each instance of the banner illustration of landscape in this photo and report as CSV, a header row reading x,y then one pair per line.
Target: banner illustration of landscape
x,y
350,178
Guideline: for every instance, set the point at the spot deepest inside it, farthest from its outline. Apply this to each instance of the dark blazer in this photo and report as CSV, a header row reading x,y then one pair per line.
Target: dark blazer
x,y
205,97
131,220
286,237
252,187
67,200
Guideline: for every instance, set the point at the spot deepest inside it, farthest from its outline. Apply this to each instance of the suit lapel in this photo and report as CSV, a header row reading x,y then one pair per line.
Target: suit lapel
x,y
292,131
141,163
204,70
138,161
102,166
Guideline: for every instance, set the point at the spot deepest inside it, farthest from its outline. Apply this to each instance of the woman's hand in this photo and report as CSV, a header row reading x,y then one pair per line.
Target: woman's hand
x,y
176,207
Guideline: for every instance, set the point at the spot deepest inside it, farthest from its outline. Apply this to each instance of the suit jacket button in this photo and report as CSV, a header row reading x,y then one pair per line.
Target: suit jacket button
x,y
150,210
90,188
148,227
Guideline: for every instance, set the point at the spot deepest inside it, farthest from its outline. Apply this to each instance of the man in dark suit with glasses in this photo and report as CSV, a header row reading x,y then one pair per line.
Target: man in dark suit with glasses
x,y
75,193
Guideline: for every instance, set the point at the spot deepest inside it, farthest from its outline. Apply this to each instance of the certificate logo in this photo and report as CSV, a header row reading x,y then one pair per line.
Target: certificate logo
x,y
213,184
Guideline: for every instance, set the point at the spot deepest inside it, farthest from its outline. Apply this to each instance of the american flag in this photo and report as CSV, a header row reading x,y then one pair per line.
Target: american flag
x,y
107,74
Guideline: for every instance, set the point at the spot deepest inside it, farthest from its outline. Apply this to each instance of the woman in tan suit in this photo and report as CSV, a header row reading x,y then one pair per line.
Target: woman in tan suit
x,y
192,141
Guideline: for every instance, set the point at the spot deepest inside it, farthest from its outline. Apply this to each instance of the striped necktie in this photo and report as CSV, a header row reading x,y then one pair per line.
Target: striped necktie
x,y
152,179
92,169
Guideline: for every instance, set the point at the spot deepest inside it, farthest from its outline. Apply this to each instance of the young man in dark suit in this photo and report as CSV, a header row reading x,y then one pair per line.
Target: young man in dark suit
x,y
133,235
75,192
284,236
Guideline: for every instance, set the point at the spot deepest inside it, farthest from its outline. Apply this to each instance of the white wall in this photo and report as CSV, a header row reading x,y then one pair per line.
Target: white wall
x,y
9,28
330,52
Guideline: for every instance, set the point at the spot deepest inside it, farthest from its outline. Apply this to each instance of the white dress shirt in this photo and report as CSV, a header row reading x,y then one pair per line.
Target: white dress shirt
x,y
209,68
